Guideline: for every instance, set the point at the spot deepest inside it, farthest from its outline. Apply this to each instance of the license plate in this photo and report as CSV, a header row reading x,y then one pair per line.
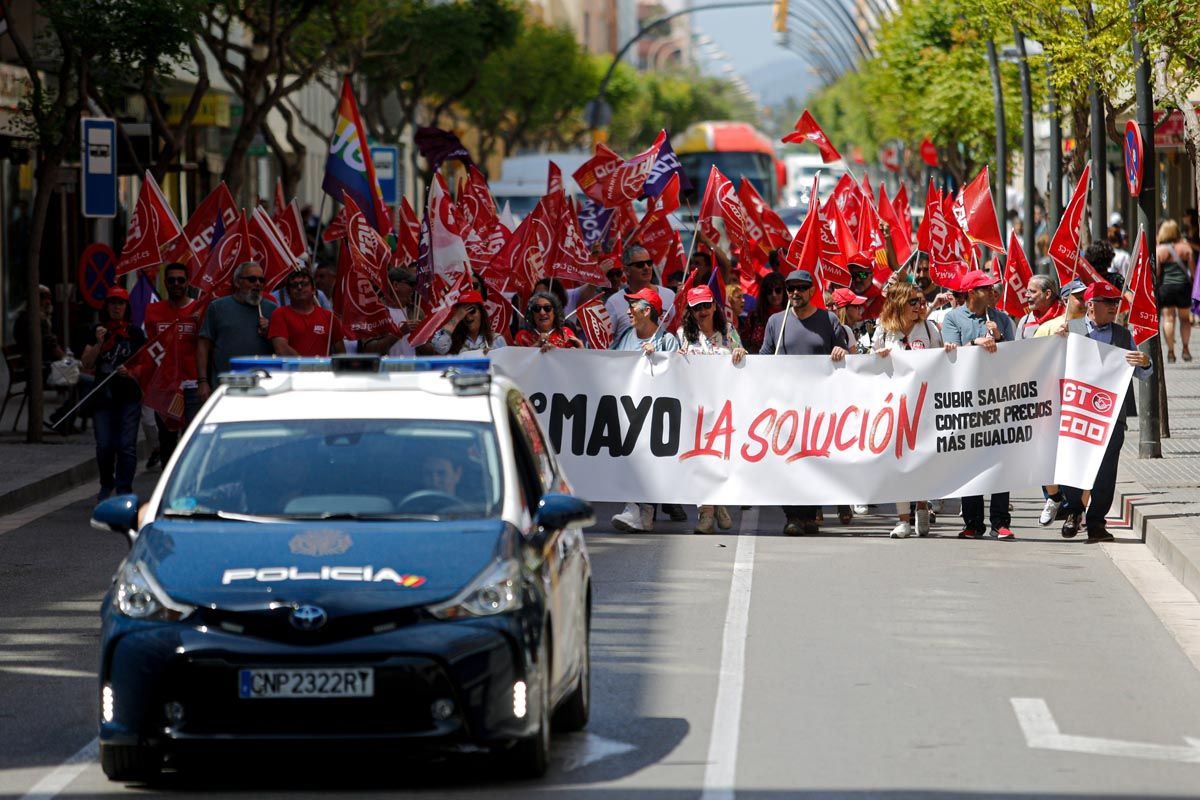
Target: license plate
x,y
256,684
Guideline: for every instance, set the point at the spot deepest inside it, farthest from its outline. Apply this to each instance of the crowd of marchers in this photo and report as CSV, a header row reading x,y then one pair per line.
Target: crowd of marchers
x,y
709,309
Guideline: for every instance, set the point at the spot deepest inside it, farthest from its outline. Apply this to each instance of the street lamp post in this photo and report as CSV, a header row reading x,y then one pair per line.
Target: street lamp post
x,y
1054,211
1027,238
1001,137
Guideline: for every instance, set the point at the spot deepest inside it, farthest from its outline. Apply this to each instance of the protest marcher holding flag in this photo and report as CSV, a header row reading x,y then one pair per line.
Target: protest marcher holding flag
x,y
807,130
1103,300
117,404
235,325
302,328
174,322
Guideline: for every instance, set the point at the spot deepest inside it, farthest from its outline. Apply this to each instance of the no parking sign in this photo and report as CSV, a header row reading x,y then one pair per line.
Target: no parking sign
x,y
97,273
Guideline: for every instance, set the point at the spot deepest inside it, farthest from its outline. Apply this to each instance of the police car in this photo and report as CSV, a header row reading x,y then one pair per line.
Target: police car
x,y
354,551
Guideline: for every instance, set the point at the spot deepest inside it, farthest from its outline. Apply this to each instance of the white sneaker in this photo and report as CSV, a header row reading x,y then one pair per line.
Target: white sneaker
x,y
923,522
859,510
629,520
724,521
937,506
902,531
707,523
1049,511
647,516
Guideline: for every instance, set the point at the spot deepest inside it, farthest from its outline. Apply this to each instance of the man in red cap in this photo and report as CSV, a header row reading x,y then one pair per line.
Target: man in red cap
x,y
976,323
862,283
643,335
1102,300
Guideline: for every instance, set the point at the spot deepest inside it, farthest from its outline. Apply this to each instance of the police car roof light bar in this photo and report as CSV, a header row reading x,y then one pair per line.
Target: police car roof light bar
x,y
359,364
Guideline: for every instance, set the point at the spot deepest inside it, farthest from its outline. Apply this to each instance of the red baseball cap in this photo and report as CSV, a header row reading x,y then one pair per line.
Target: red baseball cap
x,y
468,297
975,279
648,295
117,293
1102,290
845,297
863,258
699,294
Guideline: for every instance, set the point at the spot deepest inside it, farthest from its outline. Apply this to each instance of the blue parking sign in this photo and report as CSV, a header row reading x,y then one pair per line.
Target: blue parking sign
x,y
98,167
387,168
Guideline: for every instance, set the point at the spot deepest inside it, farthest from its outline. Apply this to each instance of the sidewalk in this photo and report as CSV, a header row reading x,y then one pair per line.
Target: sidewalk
x,y
1160,498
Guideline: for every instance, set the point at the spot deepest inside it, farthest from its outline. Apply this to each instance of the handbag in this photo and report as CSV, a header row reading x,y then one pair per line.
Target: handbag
x,y
63,373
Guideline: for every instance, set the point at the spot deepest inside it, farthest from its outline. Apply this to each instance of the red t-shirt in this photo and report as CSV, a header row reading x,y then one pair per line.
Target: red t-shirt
x,y
163,315
308,334
559,337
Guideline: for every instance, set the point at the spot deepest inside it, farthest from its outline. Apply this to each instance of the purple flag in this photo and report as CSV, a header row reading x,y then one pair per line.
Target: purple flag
x,y
142,295
593,219
666,165
437,145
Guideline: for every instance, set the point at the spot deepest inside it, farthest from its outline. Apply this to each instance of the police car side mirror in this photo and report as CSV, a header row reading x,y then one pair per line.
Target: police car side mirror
x,y
558,511
117,514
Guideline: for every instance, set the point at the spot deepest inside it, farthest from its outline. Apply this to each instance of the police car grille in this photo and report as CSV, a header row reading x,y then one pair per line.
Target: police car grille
x,y
276,624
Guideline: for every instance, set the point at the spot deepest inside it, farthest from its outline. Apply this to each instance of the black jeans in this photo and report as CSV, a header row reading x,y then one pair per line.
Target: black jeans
x,y
116,428
1104,487
801,513
972,511
167,438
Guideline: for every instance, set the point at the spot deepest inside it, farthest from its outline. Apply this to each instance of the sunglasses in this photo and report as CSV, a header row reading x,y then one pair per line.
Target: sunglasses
x,y
861,275
543,309
703,306
176,281
1108,301
917,301
299,284
116,301
775,290
646,263
799,287
252,278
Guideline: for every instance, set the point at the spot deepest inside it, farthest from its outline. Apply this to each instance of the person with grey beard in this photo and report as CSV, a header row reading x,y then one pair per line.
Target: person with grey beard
x,y
234,326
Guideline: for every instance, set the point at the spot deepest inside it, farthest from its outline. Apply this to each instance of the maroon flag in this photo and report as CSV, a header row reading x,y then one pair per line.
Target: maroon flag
x,y
900,236
156,368
198,232
291,229
1016,279
1064,245
596,323
444,295
976,214
570,259
437,146
1143,311
593,175
624,183
773,232
152,227
807,130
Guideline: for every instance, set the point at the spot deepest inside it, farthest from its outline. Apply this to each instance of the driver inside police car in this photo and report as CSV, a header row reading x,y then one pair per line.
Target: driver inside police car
x,y
440,473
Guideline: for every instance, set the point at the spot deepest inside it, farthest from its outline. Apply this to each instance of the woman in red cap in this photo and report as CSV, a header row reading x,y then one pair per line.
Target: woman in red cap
x,y
704,330
117,404
468,329
849,308
904,325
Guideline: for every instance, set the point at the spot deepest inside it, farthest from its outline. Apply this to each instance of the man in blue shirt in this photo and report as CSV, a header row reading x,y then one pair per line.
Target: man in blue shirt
x,y
974,323
1103,299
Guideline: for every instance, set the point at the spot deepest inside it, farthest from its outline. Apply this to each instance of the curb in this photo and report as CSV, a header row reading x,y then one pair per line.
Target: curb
x,y
46,488
1170,536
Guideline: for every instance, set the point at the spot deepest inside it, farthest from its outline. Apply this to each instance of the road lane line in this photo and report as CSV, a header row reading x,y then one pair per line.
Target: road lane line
x,y
720,773
24,516
51,785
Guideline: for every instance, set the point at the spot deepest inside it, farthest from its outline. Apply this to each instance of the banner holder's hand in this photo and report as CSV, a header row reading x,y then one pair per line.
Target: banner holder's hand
x,y
837,354
987,343
1137,358
739,353
884,352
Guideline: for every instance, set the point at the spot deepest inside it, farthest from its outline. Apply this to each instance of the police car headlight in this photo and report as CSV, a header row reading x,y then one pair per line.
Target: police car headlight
x,y
497,590
140,597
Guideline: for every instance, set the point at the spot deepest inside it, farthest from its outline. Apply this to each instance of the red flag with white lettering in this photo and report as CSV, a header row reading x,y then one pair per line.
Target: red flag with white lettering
x,y
198,232
268,249
356,298
444,297
215,279
976,213
156,368
774,232
1143,311
596,323
594,172
570,259
1016,279
152,227
554,181
807,130
1064,245
848,199
291,228
900,236
722,218
408,235
946,259
624,183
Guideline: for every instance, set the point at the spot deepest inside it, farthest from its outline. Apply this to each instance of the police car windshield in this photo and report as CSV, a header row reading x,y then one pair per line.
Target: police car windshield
x,y
338,468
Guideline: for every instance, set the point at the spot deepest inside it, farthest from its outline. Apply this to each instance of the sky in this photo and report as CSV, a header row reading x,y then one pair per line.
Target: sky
x,y
743,33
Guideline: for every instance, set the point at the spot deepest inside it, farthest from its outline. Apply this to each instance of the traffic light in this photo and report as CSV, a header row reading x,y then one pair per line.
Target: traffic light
x,y
779,18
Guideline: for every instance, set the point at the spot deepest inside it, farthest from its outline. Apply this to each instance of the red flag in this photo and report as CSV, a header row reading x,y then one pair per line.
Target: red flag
x,y
946,260
1064,245
868,192
976,214
499,312
156,368
594,172
663,244
904,214
356,299
280,203
371,253
1016,279
929,153
773,232
522,261
152,227
336,229
1143,312
722,218
444,297
843,234
554,181
870,240
596,323
848,199
624,183
198,232
268,249
231,249
408,237
901,236
475,203
570,258
291,228
807,130
447,251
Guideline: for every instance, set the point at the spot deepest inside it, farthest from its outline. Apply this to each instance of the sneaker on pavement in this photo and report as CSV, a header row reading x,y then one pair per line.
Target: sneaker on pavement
x,y
902,531
724,521
707,523
675,512
629,520
1070,526
968,533
859,510
1099,535
1050,511
1003,533
792,528
924,519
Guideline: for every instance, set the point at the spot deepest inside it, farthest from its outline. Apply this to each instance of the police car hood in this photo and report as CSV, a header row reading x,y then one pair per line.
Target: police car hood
x,y
345,566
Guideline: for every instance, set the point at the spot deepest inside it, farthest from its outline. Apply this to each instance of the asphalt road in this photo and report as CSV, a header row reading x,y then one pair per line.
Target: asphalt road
x,y
844,666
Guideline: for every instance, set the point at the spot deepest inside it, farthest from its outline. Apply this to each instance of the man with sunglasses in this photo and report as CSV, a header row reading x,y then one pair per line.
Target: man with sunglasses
x,y
1103,299
303,328
802,329
178,317
862,283
234,326
639,275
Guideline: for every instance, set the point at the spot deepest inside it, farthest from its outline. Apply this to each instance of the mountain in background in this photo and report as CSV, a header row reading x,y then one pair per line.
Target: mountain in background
x,y
781,86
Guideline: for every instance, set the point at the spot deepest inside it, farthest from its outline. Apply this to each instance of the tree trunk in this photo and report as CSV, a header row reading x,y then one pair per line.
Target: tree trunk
x,y
46,178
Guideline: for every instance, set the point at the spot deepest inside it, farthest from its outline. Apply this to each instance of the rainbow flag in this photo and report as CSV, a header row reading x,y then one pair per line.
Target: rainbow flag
x,y
349,169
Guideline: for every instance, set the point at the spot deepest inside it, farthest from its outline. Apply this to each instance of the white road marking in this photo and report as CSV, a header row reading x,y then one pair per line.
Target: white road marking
x,y
24,516
50,672
51,785
720,773
580,749
1041,732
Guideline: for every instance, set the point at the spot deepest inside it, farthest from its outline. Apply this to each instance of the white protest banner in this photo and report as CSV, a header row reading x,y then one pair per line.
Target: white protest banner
x,y
803,430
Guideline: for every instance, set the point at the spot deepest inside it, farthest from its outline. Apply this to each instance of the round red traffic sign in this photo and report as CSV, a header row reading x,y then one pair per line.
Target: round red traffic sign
x,y
97,273
1133,157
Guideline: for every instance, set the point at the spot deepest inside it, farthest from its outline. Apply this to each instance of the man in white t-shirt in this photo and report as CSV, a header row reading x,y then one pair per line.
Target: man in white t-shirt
x,y
639,274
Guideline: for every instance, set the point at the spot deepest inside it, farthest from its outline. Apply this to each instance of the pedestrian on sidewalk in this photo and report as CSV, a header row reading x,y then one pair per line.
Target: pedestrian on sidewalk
x,y
176,319
1176,262
705,331
646,335
802,329
975,324
117,405
1102,300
